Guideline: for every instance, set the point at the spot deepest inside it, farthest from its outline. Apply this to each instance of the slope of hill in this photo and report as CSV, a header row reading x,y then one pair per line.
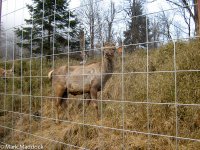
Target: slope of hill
x,y
141,107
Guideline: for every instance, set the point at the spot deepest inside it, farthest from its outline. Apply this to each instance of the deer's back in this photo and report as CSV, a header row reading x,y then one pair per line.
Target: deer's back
x,y
77,79
82,77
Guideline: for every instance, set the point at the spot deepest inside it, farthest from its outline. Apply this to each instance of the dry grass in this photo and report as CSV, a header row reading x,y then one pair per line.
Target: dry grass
x,y
159,117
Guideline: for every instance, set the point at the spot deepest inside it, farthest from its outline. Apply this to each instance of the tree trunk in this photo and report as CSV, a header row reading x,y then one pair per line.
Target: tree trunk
x,y
109,31
82,40
92,36
195,14
48,48
198,18
92,17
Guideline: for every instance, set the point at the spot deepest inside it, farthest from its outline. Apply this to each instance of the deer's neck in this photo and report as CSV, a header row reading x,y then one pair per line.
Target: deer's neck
x,y
108,65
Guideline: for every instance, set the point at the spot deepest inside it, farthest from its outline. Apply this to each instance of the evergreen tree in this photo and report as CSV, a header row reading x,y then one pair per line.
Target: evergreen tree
x,y
49,28
136,31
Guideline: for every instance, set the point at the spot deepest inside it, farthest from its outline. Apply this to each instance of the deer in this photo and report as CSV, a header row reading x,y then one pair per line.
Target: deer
x,y
88,79
4,73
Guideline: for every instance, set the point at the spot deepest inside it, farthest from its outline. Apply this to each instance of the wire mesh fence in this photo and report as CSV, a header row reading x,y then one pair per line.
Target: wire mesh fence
x,y
87,87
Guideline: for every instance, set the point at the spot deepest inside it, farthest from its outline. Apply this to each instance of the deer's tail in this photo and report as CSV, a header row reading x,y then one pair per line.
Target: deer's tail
x,y
50,74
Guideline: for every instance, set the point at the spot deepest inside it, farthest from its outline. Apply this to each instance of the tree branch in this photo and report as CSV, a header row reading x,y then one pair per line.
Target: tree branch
x,y
186,5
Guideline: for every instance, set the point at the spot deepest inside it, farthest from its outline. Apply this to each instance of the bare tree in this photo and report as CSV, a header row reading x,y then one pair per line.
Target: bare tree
x,y
88,15
165,25
155,32
187,20
99,29
177,30
193,9
109,17
98,19
82,40
91,16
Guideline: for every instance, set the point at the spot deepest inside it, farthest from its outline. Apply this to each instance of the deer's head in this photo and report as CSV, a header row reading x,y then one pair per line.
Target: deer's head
x,y
109,50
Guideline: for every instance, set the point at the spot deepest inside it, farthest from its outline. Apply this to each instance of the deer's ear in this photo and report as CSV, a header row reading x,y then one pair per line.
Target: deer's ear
x,y
3,73
105,44
12,69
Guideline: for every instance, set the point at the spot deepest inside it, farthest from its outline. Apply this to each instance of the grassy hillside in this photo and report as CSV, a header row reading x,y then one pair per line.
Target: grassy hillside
x,y
146,103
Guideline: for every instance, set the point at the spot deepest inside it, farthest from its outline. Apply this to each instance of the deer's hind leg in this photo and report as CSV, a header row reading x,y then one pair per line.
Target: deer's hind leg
x,y
64,105
86,99
93,94
60,92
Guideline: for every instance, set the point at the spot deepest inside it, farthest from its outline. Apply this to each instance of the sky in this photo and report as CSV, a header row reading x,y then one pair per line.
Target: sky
x,y
14,11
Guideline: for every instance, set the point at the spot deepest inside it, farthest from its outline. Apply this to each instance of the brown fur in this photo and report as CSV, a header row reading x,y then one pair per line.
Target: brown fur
x,y
77,80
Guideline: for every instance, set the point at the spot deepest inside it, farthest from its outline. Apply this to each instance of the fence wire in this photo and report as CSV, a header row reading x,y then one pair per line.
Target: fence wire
x,y
151,100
